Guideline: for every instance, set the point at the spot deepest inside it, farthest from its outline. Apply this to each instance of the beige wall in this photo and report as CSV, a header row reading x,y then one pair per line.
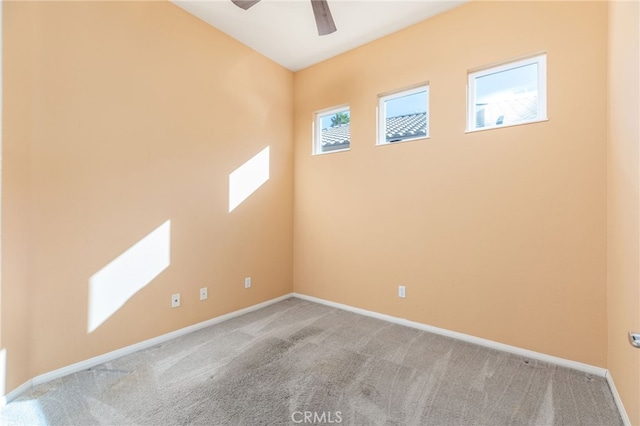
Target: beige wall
x,y
119,117
623,272
499,234
18,136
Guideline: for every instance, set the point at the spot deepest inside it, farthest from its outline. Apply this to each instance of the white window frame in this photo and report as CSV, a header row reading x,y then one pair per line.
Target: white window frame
x,y
540,60
317,129
382,113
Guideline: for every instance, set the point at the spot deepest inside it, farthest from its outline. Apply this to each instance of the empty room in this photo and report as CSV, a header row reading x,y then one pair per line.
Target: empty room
x,y
285,212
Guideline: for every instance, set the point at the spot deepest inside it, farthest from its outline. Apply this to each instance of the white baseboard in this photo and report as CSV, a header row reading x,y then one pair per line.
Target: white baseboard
x,y
596,371
16,393
83,365
100,359
618,400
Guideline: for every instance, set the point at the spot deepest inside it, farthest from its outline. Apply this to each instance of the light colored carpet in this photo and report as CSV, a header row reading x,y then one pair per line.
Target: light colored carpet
x,y
295,358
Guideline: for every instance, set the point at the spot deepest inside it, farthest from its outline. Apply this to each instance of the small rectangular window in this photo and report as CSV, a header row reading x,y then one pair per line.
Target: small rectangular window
x,y
332,130
404,116
508,94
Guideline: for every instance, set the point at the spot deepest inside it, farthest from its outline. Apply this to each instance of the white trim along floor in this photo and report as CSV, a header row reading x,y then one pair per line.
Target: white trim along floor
x,y
83,365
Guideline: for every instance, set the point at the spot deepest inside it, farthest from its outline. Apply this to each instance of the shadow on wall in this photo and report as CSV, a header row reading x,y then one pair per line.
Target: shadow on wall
x,y
113,285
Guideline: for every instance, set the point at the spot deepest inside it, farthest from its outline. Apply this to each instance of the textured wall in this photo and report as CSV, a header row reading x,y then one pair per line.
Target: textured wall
x,y
499,234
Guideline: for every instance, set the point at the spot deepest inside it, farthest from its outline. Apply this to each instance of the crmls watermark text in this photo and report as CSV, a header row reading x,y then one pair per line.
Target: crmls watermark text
x,y
313,417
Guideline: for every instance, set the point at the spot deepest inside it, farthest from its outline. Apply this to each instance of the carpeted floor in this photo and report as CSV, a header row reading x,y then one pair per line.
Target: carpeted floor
x,y
297,362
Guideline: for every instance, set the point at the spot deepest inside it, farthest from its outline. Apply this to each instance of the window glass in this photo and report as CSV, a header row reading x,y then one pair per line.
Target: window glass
x,y
508,94
404,116
333,130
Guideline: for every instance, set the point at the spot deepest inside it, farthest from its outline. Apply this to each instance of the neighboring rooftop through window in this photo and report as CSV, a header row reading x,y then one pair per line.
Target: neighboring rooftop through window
x,y
404,115
332,130
402,127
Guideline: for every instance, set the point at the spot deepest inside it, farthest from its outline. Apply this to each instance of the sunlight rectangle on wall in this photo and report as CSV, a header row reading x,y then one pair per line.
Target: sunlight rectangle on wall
x,y
246,179
117,282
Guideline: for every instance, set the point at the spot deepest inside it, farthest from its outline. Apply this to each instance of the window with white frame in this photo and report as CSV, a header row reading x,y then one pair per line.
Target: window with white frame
x,y
332,130
509,94
403,116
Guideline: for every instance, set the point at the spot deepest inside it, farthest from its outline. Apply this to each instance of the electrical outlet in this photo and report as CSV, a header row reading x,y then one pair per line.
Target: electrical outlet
x,y
247,282
402,291
175,300
203,293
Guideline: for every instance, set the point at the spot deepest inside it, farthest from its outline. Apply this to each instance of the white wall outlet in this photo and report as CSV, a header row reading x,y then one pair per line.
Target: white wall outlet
x,y
402,291
175,300
203,293
247,282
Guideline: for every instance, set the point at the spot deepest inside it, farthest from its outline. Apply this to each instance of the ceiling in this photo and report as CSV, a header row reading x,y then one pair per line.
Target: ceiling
x,y
285,30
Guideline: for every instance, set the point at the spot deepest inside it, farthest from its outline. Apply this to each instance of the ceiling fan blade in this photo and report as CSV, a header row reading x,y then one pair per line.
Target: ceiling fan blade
x,y
245,4
324,20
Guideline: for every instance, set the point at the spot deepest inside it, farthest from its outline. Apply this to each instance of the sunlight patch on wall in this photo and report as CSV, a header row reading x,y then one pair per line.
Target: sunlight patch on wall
x,y
113,285
246,179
